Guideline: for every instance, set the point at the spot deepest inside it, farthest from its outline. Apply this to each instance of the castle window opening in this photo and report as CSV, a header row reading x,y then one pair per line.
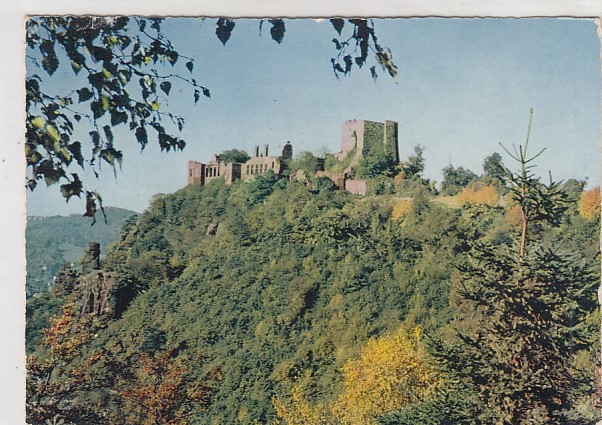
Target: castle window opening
x,y
272,165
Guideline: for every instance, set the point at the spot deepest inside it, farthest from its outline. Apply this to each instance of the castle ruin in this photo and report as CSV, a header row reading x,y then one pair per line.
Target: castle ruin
x,y
363,135
260,163
358,138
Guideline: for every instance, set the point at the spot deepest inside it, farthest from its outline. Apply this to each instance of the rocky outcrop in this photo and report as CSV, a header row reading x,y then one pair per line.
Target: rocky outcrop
x,y
212,229
65,281
92,289
95,290
91,260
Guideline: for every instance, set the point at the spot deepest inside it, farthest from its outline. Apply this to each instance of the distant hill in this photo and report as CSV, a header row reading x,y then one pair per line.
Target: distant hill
x,y
54,241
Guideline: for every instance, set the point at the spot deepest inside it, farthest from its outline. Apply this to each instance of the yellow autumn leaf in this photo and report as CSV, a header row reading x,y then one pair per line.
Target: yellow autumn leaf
x,y
65,154
391,372
589,204
54,135
104,99
38,122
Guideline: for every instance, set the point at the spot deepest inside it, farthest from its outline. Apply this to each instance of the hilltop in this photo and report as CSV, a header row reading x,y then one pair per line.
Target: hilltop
x,y
264,289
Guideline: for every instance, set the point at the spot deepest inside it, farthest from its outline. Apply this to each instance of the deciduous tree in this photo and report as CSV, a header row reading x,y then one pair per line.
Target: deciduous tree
x,y
162,392
454,179
122,72
589,204
391,372
59,374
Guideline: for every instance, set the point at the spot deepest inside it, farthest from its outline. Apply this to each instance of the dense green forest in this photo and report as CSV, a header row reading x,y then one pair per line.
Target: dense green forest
x,y
286,301
55,241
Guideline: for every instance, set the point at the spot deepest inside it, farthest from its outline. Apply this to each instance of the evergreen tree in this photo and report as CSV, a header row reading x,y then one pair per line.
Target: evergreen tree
x,y
521,311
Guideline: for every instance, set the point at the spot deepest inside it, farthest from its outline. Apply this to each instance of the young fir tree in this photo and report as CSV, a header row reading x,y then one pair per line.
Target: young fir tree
x,y
521,311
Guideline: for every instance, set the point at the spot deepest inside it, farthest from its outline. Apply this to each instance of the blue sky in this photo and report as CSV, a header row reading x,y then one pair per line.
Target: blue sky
x,y
464,86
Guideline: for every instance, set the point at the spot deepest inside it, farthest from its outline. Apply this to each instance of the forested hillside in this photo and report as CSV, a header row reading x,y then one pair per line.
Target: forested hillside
x,y
55,241
283,301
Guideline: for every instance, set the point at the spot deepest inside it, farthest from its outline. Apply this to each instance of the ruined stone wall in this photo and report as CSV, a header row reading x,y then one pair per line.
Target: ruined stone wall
x,y
352,136
357,187
337,178
212,171
196,172
233,172
260,165
392,139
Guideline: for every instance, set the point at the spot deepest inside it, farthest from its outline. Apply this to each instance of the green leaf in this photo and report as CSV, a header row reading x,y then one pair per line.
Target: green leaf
x,y
76,150
110,155
224,29
101,54
118,118
197,96
206,92
95,138
108,133
96,80
97,110
190,66
142,136
76,67
338,24
166,87
172,57
84,94
348,64
277,31
90,207
373,73
51,174
50,64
